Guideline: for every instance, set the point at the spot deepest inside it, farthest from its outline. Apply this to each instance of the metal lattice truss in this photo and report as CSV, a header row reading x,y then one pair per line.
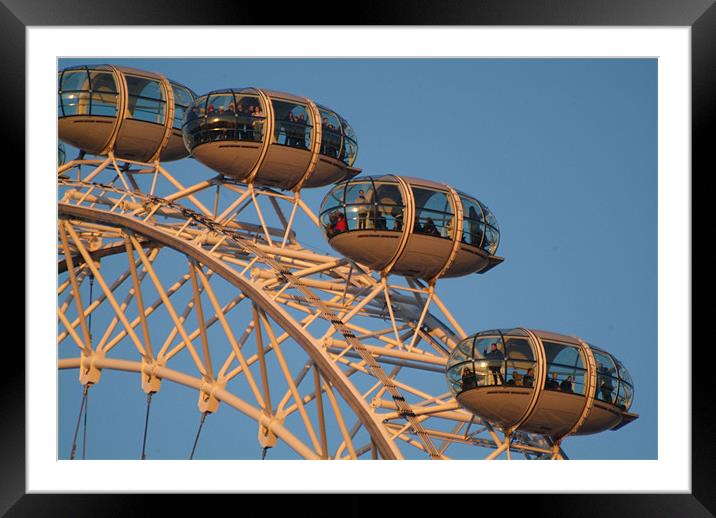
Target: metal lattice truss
x,y
323,354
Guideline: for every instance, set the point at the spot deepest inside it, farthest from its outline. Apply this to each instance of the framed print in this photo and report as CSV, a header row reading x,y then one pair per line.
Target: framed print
x,y
643,74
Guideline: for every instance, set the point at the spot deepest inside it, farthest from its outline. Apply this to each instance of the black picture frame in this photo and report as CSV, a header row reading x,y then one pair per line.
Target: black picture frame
x,y
700,15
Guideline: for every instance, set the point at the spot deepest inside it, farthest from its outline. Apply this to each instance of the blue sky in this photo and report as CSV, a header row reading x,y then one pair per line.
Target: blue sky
x,y
563,151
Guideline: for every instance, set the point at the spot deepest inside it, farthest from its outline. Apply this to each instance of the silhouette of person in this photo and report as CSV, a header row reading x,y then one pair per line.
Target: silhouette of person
x,y
362,209
495,357
468,379
475,234
430,227
552,383
529,379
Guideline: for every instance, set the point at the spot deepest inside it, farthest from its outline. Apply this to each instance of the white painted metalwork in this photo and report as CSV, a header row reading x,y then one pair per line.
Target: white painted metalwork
x,y
324,355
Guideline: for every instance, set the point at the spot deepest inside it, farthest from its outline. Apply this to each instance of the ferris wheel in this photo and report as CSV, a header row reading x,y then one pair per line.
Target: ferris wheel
x,y
207,284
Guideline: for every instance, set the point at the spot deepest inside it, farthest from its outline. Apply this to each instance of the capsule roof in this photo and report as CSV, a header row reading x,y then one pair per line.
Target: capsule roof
x,y
541,382
448,234
270,138
134,114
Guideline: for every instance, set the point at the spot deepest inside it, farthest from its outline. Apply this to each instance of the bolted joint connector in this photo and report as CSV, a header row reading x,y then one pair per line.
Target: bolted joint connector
x,y
207,401
89,372
151,383
267,439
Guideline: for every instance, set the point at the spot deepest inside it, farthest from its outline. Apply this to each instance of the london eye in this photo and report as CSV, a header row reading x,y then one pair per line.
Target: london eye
x,y
204,283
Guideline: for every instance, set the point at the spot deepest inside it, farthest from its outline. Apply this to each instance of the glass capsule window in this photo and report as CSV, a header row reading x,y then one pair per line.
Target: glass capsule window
x,y
490,365
183,98
520,362
473,227
566,370
333,214
607,378
625,393
349,153
220,118
361,205
434,214
614,383
193,124
250,117
86,91
331,134
73,98
146,98
227,115
292,124
461,371
388,207
492,358
479,227
492,231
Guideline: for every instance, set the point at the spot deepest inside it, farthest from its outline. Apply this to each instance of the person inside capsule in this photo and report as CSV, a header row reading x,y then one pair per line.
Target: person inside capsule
x,y
567,380
434,213
516,379
529,378
294,127
495,359
429,243
331,137
495,362
364,205
224,116
552,383
468,378
566,385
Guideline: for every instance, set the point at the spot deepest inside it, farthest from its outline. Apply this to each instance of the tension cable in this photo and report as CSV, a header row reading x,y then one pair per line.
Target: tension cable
x,y
198,432
79,420
146,425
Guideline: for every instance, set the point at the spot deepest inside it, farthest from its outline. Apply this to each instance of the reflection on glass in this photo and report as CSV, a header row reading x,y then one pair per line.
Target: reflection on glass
x,y
87,91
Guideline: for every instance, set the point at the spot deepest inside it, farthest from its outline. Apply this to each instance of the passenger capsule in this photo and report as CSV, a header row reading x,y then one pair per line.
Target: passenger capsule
x,y
270,138
540,382
132,113
410,226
